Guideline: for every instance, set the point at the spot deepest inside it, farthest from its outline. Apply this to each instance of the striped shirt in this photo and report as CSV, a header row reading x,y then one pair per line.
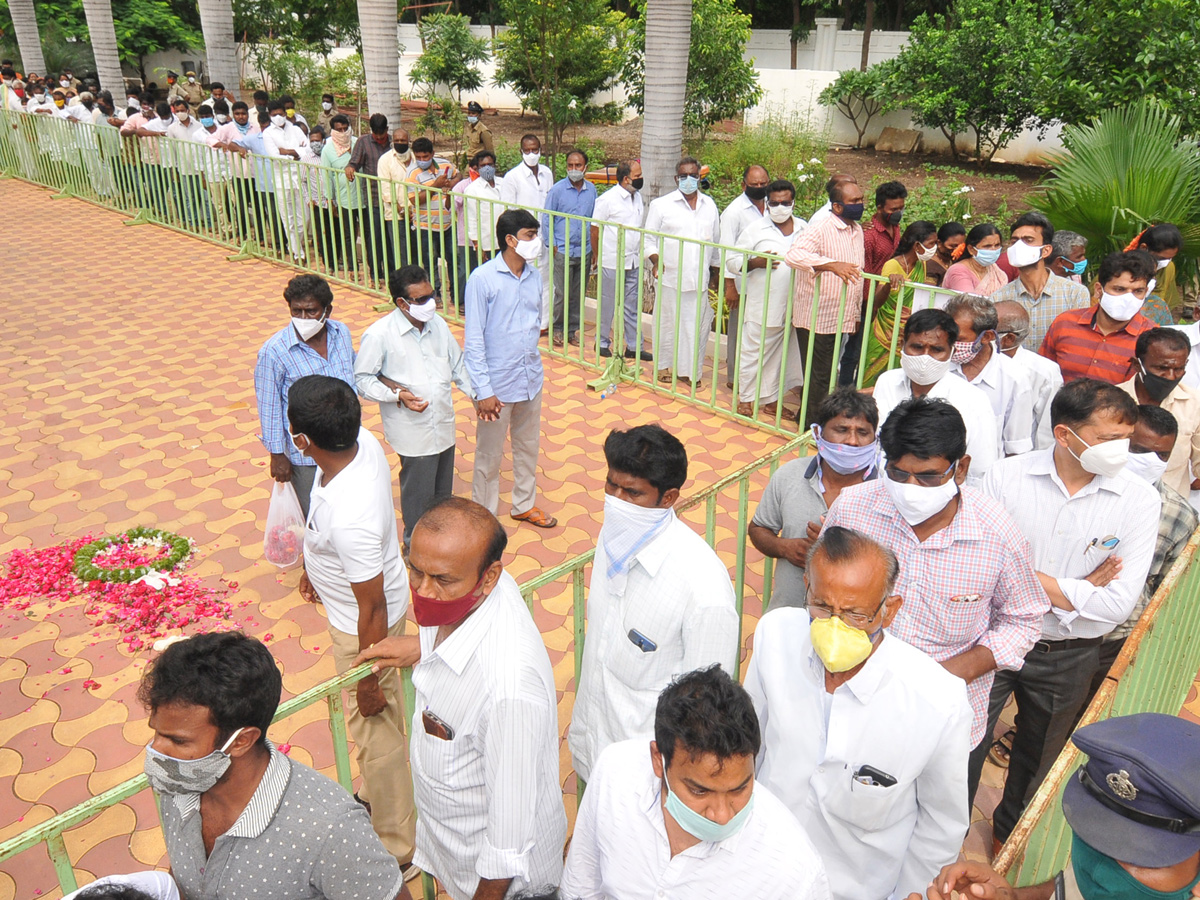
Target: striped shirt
x,y
489,800
826,241
1083,351
1057,296
972,584
433,212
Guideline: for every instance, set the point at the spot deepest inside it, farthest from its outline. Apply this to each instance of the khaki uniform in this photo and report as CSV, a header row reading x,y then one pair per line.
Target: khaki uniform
x,y
193,94
477,138
176,91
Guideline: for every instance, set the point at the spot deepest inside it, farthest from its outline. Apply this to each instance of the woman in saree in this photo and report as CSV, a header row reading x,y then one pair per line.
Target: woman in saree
x,y
1163,242
894,298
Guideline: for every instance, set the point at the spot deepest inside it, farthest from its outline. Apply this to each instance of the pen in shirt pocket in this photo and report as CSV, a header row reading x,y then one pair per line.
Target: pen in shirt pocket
x,y
1108,543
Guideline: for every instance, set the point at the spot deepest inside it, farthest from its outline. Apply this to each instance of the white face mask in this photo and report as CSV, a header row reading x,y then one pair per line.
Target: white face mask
x,y
1022,254
191,80
326,105
1146,465
222,118
916,502
278,121
531,159
529,250
308,328
1122,307
923,254
423,312
1106,458
780,214
924,369
134,102
1162,264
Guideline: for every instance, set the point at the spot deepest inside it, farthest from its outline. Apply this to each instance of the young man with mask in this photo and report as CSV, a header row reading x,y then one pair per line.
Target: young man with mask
x,y
505,366
266,204
407,363
683,316
684,817
482,206
328,111
234,809
241,183
477,138
977,360
352,560
799,494
1043,294
660,601
526,186
189,157
971,598
865,738
829,257
1099,341
39,101
1045,378
216,91
393,199
925,363
319,196
484,732
1092,529
284,140
620,208
765,306
747,208
365,158
570,245
1162,357
430,180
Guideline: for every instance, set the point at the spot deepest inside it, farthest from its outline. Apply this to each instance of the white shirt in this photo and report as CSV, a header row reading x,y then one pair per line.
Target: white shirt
x,y
891,388
521,187
32,105
1066,534
1045,378
11,101
903,714
618,206
350,537
739,215
679,596
822,214
289,137
481,203
672,214
620,850
157,885
764,236
489,801
316,182
1191,375
1010,392
191,155
425,361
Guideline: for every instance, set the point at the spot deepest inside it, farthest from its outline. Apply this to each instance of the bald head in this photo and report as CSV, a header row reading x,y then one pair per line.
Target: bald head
x,y
467,524
1012,325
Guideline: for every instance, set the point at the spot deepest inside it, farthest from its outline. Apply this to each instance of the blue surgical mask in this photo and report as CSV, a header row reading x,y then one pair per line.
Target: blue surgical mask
x,y
207,122
423,164
846,459
700,827
487,173
987,257
472,119
689,184
1079,268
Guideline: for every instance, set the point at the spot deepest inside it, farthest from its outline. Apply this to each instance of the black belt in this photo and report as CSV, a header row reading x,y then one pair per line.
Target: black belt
x,y
1068,644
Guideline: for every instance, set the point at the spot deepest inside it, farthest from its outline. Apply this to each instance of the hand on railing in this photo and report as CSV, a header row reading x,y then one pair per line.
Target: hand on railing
x,y
968,880
398,652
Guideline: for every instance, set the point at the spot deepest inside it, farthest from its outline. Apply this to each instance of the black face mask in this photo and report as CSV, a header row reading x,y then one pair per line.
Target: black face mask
x,y
1156,386
894,218
401,148
756,193
637,183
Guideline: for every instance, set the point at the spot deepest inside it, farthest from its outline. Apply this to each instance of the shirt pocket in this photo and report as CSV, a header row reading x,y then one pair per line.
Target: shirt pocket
x,y
447,766
866,807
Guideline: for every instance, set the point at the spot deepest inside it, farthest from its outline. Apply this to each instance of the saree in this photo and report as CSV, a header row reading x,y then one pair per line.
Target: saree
x,y
889,321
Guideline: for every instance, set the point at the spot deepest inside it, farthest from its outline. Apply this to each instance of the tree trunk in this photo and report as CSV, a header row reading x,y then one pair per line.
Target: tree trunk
x,y
28,41
847,15
377,23
868,26
668,40
216,21
795,29
104,46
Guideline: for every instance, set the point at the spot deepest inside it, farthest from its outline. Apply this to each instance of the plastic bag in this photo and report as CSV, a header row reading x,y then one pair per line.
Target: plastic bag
x,y
283,538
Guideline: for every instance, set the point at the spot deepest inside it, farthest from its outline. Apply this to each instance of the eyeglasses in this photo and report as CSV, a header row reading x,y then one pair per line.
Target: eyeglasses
x,y
856,620
779,203
927,479
420,301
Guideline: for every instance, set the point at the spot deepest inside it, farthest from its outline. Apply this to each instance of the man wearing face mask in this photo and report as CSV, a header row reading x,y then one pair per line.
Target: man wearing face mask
x,y
482,206
328,111
619,208
431,179
1162,357
241,184
747,208
236,811
971,598
484,733
799,494
393,170
571,248
885,778
1045,378
1099,341
39,101
1068,259
407,363
216,91
526,186
1085,519
365,158
477,137
685,817
660,601
976,359
284,141
188,157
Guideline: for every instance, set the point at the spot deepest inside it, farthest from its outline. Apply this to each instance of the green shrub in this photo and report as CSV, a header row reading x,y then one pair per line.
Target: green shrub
x,y
859,96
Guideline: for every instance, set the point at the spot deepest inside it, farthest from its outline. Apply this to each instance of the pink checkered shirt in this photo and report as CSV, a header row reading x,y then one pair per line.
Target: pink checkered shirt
x,y
971,583
826,241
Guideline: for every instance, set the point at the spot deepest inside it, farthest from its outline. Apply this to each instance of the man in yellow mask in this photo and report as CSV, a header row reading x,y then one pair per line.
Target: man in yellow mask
x,y
864,737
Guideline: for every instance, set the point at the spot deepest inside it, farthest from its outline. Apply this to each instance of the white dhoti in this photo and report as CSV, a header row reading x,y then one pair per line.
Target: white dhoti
x,y
683,323
754,340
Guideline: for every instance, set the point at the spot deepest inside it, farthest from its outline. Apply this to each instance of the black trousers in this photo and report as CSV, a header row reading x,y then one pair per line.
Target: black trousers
x,y
822,364
424,479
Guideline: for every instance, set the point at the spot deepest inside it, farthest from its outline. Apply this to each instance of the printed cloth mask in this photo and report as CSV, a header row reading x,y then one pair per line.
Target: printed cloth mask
x,y
841,647
923,254
1149,466
1022,254
1101,877
846,459
307,328
895,218
487,173
916,502
1156,386
531,159
987,257
316,146
529,250
924,369
852,212
688,185
430,612
1123,307
780,214
575,175
965,351
278,121
423,312
627,530
1106,458
169,775
697,825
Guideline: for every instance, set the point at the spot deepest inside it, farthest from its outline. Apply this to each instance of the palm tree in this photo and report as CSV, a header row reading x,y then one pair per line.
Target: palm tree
x,y
668,40
104,45
28,42
216,21
377,24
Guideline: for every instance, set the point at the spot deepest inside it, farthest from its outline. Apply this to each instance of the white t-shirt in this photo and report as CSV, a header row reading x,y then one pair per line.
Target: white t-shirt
x,y
158,885
351,537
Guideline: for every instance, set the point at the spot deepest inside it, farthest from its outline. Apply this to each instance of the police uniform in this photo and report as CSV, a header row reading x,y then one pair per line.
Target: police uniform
x,y
191,92
175,91
477,137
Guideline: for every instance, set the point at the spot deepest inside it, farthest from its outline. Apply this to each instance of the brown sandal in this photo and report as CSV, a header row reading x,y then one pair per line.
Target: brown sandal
x,y
537,518
1000,752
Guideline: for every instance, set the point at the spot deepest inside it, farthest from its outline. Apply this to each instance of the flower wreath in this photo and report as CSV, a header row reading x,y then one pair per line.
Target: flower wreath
x,y
179,549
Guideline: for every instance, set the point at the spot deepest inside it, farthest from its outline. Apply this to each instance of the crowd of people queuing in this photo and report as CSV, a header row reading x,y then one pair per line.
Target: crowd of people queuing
x,y
985,520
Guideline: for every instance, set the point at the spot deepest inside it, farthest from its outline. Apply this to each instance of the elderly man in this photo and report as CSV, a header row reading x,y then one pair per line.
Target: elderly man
x,y
620,207
683,818
526,186
683,317
745,209
397,225
660,601
829,257
1045,378
485,727
1068,259
1162,357
976,359
234,809
1092,529
865,738
365,158
570,247
801,491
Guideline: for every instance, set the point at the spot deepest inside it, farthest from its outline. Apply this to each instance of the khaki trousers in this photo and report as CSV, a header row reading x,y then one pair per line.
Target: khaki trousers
x,y
382,753
522,422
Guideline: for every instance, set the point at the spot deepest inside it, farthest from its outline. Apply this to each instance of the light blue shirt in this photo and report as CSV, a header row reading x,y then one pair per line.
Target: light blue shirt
x,y
504,320
263,182
564,197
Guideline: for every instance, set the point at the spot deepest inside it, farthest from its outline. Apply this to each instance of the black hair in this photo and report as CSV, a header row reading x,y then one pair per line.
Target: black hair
x,y
326,410
261,95
650,452
624,170
1077,401
1175,338
687,161
215,86
163,110
421,145
378,123
926,320
513,221
221,106
980,232
147,101
845,545
403,278
178,101
926,427
851,403
229,673
890,190
447,513
302,286
328,97
575,151
1138,263
703,712
781,184
264,118
921,230
949,230
285,99
8,72
275,104
1158,420
1157,238
340,119
483,154
314,129
112,892
1036,220
531,135
240,104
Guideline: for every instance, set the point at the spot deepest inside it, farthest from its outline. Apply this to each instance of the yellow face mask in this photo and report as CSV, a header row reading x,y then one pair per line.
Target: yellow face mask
x,y
839,646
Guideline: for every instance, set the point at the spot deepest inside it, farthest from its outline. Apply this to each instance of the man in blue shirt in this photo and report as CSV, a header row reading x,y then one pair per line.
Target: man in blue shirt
x,y
266,213
572,244
504,310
